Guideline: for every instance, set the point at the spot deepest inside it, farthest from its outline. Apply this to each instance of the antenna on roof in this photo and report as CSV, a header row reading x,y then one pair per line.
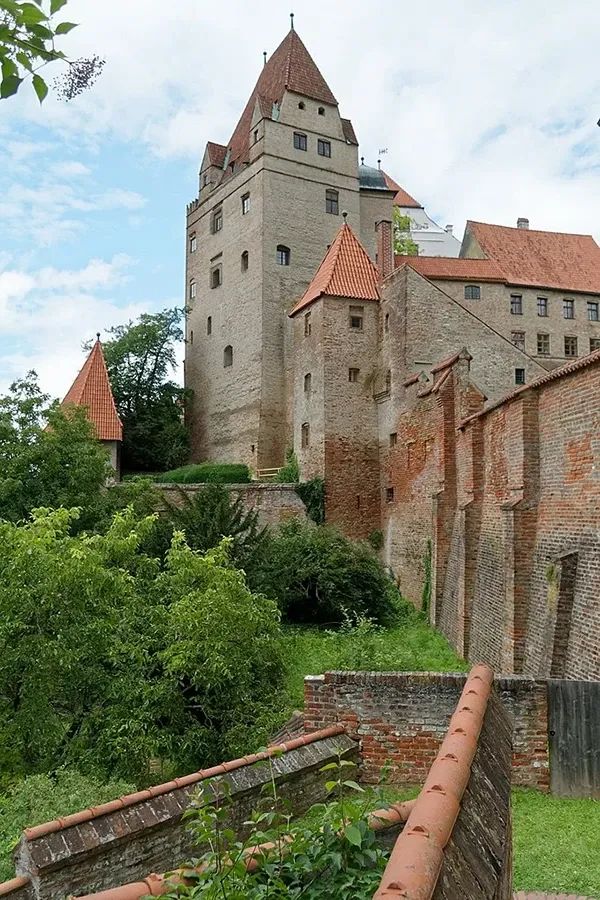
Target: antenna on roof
x,y
265,57
292,20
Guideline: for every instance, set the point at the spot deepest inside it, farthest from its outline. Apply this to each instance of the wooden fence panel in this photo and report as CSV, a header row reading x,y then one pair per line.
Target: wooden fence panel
x,y
574,738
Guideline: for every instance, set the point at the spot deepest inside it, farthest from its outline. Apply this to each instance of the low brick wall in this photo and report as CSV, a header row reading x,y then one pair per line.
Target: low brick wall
x,y
402,717
276,503
124,840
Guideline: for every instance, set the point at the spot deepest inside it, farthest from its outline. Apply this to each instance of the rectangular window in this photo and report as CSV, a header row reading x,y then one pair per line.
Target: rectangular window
x,y
569,309
193,242
307,325
356,317
209,325
393,438
192,289
307,383
300,141
245,204
542,306
516,304
216,277
305,435
472,292
353,375
594,344
543,344
323,148
217,220
570,346
256,136
518,339
519,376
593,310
283,255
332,204
389,495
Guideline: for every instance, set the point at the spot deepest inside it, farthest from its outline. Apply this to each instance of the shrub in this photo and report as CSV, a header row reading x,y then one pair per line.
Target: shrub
x,y
319,576
312,494
290,473
213,473
41,798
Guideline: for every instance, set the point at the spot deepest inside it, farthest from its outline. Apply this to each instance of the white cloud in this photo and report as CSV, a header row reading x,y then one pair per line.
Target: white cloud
x,y
69,169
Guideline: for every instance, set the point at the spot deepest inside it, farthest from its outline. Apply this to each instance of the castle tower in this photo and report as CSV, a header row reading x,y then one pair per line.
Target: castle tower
x,y
269,205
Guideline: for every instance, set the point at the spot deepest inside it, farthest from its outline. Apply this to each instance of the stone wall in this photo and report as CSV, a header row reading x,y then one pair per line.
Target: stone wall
x,y
276,503
124,840
401,718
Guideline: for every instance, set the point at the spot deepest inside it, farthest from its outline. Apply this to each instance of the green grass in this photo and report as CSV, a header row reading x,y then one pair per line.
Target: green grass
x,y
408,647
556,844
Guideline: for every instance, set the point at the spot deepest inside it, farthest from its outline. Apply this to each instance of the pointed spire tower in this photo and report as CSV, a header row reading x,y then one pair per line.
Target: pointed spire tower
x,y
92,389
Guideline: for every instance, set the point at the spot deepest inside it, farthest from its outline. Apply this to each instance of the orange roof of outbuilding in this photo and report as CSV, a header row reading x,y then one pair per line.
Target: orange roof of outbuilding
x,y
402,197
92,389
292,68
453,268
346,271
547,259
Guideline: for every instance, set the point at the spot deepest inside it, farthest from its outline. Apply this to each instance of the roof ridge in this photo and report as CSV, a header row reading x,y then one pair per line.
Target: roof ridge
x,y
92,389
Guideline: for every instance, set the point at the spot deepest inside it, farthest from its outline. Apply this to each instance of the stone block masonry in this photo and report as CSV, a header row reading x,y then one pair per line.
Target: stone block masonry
x,y
400,718
276,503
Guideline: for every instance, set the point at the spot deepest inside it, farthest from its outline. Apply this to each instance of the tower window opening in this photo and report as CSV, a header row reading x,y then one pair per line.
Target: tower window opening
x,y
228,356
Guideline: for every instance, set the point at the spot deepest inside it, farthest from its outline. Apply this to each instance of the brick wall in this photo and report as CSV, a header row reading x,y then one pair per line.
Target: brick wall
x,y
402,717
124,840
276,503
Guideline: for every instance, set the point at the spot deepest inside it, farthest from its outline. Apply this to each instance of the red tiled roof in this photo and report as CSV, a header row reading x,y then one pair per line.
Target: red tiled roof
x,y
92,388
290,67
450,360
346,271
349,132
547,259
402,198
216,154
453,269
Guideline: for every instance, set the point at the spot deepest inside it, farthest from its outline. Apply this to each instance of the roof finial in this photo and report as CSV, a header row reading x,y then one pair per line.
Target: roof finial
x,y
292,20
98,335
344,216
379,164
265,57
362,160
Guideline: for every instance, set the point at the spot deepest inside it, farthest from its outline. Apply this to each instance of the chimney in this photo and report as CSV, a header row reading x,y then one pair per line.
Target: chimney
x,y
385,248
448,229
523,223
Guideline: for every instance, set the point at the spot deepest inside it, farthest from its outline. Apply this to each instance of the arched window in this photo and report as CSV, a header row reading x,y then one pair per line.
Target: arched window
x,y
472,292
192,289
307,383
209,325
228,356
305,435
245,259
283,255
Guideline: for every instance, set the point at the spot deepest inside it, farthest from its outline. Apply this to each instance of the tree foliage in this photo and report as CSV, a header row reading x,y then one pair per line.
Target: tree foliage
x,y
404,245
141,358
48,456
120,667
28,33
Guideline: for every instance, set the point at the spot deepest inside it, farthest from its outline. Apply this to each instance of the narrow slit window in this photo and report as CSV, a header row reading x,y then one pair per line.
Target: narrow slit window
x,y
192,289
193,242
228,356
245,261
209,325
305,435
307,325
307,383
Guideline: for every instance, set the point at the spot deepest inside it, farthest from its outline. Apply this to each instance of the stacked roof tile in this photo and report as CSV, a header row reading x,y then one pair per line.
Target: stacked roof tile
x,y
402,197
452,268
92,389
346,271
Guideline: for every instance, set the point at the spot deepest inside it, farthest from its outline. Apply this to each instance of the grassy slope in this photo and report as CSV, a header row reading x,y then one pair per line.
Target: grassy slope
x,y
411,647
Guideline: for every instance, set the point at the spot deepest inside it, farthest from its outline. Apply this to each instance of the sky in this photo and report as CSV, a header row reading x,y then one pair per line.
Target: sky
x,y
488,111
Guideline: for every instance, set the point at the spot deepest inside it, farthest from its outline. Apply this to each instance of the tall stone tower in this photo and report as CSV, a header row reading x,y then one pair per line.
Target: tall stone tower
x,y
269,205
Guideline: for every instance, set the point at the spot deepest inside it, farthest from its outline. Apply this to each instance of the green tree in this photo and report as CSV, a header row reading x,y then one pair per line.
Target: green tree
x,y
404,245
115,666
28,34
48,456
140,358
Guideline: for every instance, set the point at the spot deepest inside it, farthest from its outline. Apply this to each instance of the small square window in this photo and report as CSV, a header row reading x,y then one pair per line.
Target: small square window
x,y
193,243
356,318
570,346
305,436
542,306
593,310
518,339
543,344
332,204
389,495
519,376
245,204
393,438
217,221
569,309
192,289
353,375
516,304
307,325
300,141
216,277
323,147
472,292
594,344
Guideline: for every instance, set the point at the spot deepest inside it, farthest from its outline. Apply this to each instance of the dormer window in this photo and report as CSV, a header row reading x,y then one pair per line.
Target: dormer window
x,y
300,141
